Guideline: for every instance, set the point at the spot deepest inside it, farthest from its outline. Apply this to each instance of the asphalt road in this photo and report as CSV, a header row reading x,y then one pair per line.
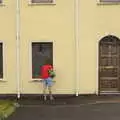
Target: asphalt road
x,y
83,111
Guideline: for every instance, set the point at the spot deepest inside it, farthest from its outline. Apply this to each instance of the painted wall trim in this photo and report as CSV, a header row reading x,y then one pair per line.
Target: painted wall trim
x,y
18,46
76,7
97,68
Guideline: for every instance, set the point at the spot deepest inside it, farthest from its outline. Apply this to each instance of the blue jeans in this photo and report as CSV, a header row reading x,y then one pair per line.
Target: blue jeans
x,y
48,82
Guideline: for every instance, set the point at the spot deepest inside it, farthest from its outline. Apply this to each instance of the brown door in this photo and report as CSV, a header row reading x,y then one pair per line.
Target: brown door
x,y
109,64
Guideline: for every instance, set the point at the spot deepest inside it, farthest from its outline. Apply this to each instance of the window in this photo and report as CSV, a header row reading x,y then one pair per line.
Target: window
x,y
42,1
0,1
42,52
110,1
1,60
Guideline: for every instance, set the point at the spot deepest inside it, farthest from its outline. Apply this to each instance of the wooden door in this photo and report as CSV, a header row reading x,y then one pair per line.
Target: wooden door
x,y
109,64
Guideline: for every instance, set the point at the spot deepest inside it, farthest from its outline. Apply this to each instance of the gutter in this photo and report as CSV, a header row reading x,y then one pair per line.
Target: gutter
x,y
76,24
18,46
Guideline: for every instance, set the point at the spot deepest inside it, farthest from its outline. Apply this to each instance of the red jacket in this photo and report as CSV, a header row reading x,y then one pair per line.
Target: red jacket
x,y
44,71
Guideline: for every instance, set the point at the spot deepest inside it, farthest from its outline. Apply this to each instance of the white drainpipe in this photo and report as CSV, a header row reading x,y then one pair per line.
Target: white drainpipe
x,y
76,6
18,46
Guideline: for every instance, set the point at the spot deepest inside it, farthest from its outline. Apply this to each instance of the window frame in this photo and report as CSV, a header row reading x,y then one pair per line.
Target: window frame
x,y
108,2
53,3
4,61
2,3
30,57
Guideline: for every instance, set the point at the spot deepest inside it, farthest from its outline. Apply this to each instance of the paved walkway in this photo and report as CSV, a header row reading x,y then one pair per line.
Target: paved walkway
x,y
71,108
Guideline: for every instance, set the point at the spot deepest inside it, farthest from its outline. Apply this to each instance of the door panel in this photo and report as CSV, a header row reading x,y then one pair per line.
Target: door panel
x,y
109,64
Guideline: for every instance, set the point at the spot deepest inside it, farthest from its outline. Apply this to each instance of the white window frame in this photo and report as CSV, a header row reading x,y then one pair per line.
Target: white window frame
x,y
4,62
53,3
30,57
108,2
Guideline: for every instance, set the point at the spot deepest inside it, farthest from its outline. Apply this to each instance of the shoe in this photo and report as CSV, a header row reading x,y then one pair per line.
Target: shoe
x,y
45,98
51,98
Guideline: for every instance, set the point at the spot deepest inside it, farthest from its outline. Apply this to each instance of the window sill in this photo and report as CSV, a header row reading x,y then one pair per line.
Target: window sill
x,y
2,4
108,3
36,80
1,80
39,81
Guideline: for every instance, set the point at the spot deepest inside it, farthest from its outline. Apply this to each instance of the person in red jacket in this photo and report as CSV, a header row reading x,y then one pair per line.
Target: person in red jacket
x,y
47,80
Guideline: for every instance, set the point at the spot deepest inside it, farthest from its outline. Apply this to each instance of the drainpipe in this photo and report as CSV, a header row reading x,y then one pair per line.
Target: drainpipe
x,y
76,21
18,46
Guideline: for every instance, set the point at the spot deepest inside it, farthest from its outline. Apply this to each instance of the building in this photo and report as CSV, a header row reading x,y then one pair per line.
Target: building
x,y
79,37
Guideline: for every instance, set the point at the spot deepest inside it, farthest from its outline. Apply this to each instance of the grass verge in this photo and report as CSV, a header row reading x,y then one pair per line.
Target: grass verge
x,y
7,107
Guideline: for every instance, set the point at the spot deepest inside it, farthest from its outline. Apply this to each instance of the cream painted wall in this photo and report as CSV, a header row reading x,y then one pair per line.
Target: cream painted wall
x,y
8,37
49,23
96,21
56,23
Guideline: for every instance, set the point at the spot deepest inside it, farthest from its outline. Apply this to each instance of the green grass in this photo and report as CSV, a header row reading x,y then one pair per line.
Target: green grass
x,y
7,107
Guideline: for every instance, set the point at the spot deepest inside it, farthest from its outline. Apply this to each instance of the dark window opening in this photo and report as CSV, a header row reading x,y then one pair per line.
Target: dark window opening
x,y
42,53
1,60
1,1
109,0
42,1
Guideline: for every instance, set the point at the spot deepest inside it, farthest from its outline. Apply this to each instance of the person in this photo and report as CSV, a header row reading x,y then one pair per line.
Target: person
x,y
47,74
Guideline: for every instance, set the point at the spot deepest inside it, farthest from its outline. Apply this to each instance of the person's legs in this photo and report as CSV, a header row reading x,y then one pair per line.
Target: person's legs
x,y
44,89
50,83
50,92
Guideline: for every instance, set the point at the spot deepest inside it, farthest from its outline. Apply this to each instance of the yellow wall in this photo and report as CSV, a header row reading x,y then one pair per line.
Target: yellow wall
x,y
8,37
49,23
56,23
96,21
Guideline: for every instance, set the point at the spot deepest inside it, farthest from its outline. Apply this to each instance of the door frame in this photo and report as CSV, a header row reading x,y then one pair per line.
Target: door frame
x,y
98,58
